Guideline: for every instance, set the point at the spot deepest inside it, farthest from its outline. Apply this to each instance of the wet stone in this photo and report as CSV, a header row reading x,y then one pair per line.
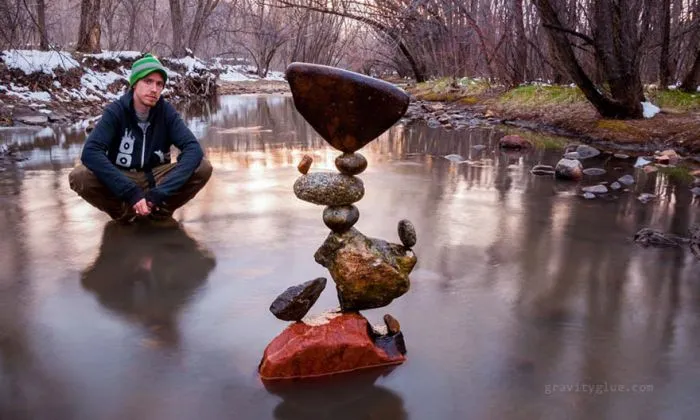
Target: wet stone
x,y
407,233
594,171
368,272
646,197
296,301
329,189
586,152
615,186
621,156
571,155
351,163
340,218
32,119
347,109
305,164
695,191
595,189
542,170
570,169
626,180
588,196
392,324
514,141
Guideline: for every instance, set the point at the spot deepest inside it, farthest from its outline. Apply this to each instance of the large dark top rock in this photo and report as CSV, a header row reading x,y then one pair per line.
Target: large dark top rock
x,y
347,109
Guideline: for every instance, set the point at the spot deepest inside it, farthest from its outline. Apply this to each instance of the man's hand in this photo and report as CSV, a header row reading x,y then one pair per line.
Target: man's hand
x,y
141,208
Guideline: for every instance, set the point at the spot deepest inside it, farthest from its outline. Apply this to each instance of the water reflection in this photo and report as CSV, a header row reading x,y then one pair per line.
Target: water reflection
x,y
147,274
520,283
354,396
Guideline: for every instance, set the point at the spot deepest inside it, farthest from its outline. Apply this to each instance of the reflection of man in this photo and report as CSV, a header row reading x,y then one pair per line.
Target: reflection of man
x,y
147,274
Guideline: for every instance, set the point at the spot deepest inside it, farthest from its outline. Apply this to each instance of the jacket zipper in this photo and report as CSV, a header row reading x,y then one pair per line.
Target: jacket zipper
x,y
143,146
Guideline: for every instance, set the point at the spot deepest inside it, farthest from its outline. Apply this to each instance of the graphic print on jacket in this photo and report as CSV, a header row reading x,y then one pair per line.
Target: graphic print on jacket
x,y
126,149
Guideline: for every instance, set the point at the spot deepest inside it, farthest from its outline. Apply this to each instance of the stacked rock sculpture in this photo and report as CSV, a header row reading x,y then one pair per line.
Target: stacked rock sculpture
x,y
348,110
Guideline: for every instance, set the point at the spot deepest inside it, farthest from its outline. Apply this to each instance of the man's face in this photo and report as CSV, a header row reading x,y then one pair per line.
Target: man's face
x,y
148,90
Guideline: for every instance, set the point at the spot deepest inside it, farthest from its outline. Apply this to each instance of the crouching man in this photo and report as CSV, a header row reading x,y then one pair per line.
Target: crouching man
x,y
126,169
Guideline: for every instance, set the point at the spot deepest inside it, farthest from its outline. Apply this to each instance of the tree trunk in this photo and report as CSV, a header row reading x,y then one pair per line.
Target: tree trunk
x,y
41,23
89,31
615,52
520,65
176,19
133,10
692,79
664,64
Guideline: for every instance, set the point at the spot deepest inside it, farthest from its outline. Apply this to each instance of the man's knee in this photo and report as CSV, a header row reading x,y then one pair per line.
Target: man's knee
x,y
80,177
203,172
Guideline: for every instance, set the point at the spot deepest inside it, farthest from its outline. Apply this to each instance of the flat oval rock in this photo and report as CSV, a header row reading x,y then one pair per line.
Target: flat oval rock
x,y
594,171
347,109
329,189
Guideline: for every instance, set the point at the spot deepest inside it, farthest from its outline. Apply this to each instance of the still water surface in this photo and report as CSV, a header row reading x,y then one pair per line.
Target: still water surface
x,y
524,292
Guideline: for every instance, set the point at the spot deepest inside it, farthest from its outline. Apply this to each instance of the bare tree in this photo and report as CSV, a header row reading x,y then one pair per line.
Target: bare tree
x,y
615,41
267,33
178,49
665,28
182,43
41,25
89,31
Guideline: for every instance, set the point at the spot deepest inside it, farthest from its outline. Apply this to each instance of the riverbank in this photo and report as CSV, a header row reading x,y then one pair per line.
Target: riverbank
x,y
561,111
40,88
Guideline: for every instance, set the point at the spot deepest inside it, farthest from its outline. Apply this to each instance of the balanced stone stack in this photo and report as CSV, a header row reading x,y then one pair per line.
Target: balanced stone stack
x,y
348,110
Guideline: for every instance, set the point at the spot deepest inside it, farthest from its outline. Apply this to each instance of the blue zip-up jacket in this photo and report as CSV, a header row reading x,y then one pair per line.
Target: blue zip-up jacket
x,y
120,142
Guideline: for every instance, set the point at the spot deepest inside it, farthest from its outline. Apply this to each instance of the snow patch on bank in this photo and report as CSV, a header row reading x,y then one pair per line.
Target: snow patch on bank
x,y
649,109
116,55
30,61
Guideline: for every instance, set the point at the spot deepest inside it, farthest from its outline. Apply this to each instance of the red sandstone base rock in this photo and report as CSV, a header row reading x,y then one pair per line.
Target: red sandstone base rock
x,y
344,344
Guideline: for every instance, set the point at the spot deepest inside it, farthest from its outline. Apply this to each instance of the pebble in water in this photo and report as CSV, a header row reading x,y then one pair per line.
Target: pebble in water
x,y
626,180
569,169
595,189
585,152
594,171
542,170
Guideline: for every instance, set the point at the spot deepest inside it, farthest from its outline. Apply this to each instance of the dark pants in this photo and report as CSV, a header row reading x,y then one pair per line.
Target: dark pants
x,y
86,184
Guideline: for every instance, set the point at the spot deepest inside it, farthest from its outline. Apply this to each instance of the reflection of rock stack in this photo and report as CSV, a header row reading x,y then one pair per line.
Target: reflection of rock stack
x,y
348,110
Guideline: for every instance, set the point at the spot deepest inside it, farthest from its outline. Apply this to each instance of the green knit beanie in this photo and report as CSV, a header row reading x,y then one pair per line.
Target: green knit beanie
x,y
145,66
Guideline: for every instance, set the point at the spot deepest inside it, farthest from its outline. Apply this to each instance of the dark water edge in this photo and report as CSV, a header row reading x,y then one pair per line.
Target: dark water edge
x,y
527,302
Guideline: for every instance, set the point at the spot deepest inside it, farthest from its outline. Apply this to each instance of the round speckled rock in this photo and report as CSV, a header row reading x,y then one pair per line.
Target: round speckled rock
x,y
351,163
329,189
407,233
340,218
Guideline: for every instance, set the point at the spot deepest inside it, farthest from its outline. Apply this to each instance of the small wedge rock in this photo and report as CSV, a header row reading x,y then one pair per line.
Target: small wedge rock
x,y
296,301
